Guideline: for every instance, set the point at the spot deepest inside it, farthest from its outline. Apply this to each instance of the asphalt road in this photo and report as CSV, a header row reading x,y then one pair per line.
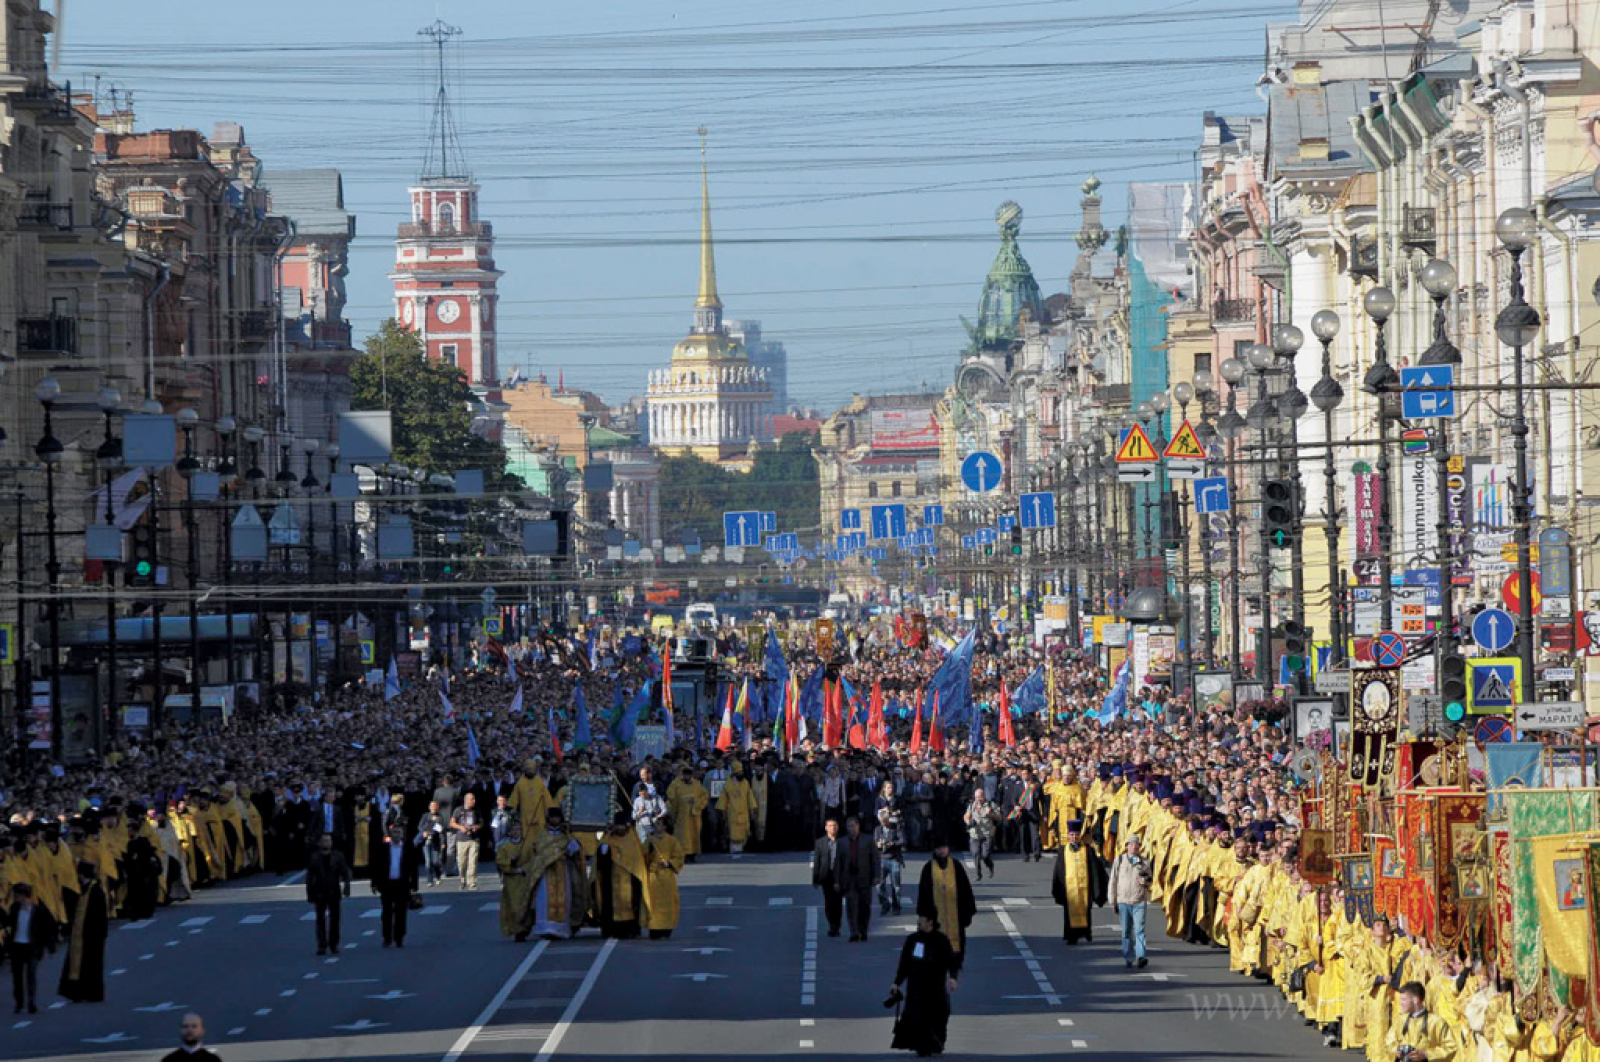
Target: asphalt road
x,y
749,973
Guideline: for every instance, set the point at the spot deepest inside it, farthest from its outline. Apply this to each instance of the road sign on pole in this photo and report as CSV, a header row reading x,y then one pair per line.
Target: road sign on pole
x,y
1038,510
741,529
1555,562
1493,629
850,519
1494,683
1211,495
1550,715
933,515
1136,448
981,471
1388,649
888,521
1427,391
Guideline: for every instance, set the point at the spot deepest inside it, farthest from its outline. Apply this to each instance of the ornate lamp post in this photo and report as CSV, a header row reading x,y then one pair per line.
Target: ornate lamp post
x,y
49,450
109,458
1292,404
1326,395
227,474
308,486
1263,417
1438,279
1232,426
1517,326
1204,387
1183,394
1381,380
188,465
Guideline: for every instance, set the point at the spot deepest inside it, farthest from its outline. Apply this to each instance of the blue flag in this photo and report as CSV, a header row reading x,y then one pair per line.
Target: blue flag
x,y
1116,701
623,726
953,683
777,671
391,682
580,727
811,697
472,747
974,733
1030,698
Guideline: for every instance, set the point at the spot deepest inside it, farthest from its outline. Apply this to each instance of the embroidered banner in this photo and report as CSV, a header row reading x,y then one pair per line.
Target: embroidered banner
x,y
1457,834
1503,911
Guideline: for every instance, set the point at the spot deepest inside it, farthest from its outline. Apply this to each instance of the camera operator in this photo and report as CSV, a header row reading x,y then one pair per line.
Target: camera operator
x,y
891,841
1416,1037
1129,891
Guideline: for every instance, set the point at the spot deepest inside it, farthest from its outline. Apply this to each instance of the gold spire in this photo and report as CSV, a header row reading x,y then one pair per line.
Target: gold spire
x,y
708,262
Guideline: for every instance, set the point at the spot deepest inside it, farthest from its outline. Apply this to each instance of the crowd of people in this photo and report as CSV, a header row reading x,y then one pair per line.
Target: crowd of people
x,y
1192,809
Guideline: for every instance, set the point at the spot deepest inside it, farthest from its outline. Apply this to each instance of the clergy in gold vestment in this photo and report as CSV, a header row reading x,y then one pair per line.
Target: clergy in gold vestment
x,y
1380,967
687,800
665,860
738,803
543,883
945,894
1079,882
620,880
530,797
362,821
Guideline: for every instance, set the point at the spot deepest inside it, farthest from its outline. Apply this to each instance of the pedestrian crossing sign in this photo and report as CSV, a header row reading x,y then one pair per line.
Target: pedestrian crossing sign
x,y
368,652
491,626
1185,445
8,643
1136,448
1495,684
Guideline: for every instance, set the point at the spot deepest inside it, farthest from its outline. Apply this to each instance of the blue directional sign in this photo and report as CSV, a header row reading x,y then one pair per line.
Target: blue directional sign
x,y
1038,510
1006,523
1211,495
850,520
769,522
741,529
858,540
876,553
1427,391
969,541
981,472
933,515
987,536
1493,629
888,521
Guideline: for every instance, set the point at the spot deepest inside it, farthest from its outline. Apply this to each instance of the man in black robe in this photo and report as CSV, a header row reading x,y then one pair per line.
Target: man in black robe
x,y
944,895
619,905
928,969
83,975
1084,887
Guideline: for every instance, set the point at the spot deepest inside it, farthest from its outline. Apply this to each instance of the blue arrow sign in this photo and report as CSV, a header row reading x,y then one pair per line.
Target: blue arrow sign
x,y
969,541
981,472
741,529
1427,391
850,520
1211,495
769,522
1005,523
888,521
933,515
986,536
1493,629
1038,510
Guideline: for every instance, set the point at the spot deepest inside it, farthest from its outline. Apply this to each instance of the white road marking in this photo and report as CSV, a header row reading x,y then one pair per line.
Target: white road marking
x,y
197,921
294,879
374,913
58,1004
702,978
147,957
161,1008
719,901
1080,1044
368,933
489,907
780,901
110,1038
173,943
310,977
559,1033
393,994
1017,901
1160,976
717,929
236,1030
705,951
263,1012
362,1025
1065,1021
22,1025
309,916
808,1022
808,1001
471,1032
435,909
356,981
118,972
143,923
808,1043
286,993
254,920
1048,992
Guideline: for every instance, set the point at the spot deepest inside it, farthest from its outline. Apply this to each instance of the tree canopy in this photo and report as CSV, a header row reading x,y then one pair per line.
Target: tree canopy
x,y
695,493
431,406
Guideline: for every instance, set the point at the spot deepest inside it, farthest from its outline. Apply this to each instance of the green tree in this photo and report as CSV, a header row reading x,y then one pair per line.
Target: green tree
x,y
783,480
431,406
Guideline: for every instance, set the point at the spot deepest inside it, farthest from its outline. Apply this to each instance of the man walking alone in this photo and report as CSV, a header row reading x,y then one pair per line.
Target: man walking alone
x,y
1129,890
327,884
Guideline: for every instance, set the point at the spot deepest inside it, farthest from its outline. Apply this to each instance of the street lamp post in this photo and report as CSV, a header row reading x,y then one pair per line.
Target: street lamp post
x,y
1231,426
1380,381
1326,395
109,458
188,465
1204,386
49,451
1292,403
1262,417
1183,394
227,473
254,476
1517,325
308,485
1438,279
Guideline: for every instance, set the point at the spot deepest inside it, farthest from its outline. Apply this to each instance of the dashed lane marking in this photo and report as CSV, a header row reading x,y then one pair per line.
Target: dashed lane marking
x,y
236,1030
780,901
559,1033
719,901
254,920
471,1032
199,920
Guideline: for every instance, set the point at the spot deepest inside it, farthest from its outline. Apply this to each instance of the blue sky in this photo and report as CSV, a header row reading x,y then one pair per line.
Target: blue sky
x,y
858,149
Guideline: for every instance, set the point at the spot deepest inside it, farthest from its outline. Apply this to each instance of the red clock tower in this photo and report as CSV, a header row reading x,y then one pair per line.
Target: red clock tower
x,y
444,276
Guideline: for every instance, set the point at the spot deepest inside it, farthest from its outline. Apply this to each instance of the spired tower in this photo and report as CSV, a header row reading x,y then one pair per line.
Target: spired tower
x,y
444,277
711,401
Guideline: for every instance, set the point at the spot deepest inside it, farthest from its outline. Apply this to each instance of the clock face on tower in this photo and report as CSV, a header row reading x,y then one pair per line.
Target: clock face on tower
x,y
449,310
407,311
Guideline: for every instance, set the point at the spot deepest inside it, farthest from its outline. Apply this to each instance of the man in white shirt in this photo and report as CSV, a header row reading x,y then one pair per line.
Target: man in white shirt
x,y
26,927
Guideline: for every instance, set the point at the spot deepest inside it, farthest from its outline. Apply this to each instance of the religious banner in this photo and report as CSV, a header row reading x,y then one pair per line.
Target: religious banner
x,y
824,634
1536,815
1391,877
1560,884
1415,840
1460,881
1316,856
1368,512
1375,718
1358,888
1592,1000
1352,820
1502,911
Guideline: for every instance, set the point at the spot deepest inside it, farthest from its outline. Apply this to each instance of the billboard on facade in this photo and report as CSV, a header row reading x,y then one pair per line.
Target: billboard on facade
x,y
904,429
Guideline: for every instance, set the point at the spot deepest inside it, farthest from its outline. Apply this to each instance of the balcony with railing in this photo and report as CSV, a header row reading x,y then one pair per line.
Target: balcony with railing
x,y
1233,311
416,230
47,335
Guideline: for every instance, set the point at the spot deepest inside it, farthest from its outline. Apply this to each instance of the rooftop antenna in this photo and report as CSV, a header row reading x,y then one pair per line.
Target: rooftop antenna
x,y
443,141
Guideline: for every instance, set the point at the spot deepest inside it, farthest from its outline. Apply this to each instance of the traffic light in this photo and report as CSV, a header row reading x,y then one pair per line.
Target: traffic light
x,y
1294,646
1278,511
1016,540
140,571
1453,687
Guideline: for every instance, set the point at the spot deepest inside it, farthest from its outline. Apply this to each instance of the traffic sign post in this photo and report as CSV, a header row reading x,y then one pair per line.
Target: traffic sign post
x,y
1038,510
741,529
1550,715
1186,458
1136,448
1493,629
1211,495
981,471
1493,684
1388,649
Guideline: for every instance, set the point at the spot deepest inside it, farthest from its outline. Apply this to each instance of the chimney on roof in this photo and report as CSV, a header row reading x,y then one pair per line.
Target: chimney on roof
x,y
1314,149
1308,72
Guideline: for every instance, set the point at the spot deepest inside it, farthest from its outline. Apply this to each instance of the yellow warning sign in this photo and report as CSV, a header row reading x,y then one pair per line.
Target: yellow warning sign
x,y
1186,444
1136,448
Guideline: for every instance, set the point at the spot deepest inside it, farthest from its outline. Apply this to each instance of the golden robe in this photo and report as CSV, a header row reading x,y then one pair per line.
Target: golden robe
x,y
737,802
661,891
687,802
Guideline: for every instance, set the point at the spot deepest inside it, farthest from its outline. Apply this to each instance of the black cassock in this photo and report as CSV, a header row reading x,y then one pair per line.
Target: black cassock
x,y
1097,877
609,903
142,872
926,962
83,975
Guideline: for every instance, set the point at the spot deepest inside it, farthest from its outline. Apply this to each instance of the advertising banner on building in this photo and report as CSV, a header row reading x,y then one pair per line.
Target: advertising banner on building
x,y
1368,511
1419,510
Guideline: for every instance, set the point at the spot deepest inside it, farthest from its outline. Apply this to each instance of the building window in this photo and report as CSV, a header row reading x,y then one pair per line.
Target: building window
x,y
447,353
447,217
1202,363
872,489
895,489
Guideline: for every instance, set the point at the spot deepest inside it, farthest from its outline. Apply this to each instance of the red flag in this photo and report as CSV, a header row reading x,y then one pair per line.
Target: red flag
x,y
877,731
666,676
916,729
935,730
791,714
899,629
725,731
832,714
1008,736
555,737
